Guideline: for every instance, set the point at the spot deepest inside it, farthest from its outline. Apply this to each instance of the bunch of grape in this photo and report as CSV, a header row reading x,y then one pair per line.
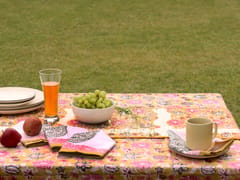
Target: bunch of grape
x,y
93,100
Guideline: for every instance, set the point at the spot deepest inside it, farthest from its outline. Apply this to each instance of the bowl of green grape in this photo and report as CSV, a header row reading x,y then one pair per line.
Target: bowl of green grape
x,y
93,107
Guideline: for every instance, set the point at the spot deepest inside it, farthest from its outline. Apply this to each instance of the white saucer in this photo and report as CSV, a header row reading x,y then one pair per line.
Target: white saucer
x,y
177,145
38,99
200,156
15,94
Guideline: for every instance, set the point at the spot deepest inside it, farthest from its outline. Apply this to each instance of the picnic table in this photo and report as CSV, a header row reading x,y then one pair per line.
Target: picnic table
x,y
139,126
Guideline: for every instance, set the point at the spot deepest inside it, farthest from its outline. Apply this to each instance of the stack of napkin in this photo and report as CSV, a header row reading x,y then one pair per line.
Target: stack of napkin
x,y
79,140
58,135
69,139
91,143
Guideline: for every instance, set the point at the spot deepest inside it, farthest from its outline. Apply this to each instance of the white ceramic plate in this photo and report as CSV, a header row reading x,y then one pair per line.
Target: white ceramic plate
x,y
177,145
15,94
18,111
200,156
38,99
13,105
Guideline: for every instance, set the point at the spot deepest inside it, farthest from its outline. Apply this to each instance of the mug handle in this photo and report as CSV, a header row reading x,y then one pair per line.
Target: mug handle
x,y
215,127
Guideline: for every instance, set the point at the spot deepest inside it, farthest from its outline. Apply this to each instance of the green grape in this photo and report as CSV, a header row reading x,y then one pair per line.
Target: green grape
x,y
92,100
100,105
85,101
93,106
83,106
100,100
92,95
80,101
87,96
102,94
83,98
97,91
107,103
88,105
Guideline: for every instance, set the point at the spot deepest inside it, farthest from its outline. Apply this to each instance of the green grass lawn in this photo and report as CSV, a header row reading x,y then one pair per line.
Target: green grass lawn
x,y
124,46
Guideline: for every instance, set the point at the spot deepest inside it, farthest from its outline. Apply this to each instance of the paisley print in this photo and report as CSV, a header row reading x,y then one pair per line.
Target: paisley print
x,y
56,131
81,137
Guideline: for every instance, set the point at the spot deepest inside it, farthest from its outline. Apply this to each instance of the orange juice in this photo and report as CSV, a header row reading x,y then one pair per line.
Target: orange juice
x,y
50,90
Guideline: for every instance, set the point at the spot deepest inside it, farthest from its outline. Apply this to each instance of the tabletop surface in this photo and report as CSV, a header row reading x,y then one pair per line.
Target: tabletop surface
x,y
138,126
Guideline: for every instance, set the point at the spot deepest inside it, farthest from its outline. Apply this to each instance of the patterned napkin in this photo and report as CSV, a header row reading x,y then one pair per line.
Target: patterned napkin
x,y
95,143
31,141
177,143
58,135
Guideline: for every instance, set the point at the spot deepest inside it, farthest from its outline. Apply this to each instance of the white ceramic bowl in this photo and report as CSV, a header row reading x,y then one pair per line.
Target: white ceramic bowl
x,y
93,116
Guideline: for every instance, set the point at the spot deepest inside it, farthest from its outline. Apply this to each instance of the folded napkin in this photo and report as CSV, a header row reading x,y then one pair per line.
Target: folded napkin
x,y
95,143
30,141
219,145
177,144
58,135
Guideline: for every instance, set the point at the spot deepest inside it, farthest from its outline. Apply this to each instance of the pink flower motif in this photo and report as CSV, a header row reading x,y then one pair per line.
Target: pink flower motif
x,y
134,101
235,146
209,101
192,110
62,101
142,164
3,153
235,165
170,95
46,164
138,111
73,122
175,122
118,122
160,158
174,107
20,119
141,145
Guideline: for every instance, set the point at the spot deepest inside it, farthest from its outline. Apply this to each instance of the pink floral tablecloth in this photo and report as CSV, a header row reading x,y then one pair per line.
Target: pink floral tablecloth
x,y
139,126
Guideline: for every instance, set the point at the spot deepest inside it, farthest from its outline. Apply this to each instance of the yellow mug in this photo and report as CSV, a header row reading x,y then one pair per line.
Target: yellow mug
x,y
200,133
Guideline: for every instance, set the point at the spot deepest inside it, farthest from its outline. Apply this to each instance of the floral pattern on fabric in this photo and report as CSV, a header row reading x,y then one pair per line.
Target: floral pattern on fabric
x,y
135,158
151,115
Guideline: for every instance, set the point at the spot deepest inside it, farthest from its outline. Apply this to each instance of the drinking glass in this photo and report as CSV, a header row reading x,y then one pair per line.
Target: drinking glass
x,y
50,81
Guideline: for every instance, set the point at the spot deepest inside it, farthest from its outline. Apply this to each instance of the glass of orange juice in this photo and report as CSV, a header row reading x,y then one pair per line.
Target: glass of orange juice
x,y
50,81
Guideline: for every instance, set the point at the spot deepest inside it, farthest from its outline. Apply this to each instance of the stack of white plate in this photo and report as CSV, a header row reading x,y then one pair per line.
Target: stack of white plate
x,y
15,100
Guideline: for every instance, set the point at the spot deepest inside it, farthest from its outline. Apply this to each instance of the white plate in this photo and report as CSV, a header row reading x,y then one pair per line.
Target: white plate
x,y
15,94
13,105
18,111
177,145
200,156
38,99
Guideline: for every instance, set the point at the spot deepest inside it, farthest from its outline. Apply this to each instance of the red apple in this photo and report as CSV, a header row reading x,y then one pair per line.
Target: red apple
x,y
32,126
10,138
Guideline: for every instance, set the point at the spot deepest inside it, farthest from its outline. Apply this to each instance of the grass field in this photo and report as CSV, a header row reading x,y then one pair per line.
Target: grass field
x,y
124,46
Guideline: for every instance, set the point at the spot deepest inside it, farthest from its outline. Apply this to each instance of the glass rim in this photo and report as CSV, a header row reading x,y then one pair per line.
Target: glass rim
x,y
49,71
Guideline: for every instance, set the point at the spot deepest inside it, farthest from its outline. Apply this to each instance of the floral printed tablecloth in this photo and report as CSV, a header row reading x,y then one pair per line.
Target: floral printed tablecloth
x,y
139,127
